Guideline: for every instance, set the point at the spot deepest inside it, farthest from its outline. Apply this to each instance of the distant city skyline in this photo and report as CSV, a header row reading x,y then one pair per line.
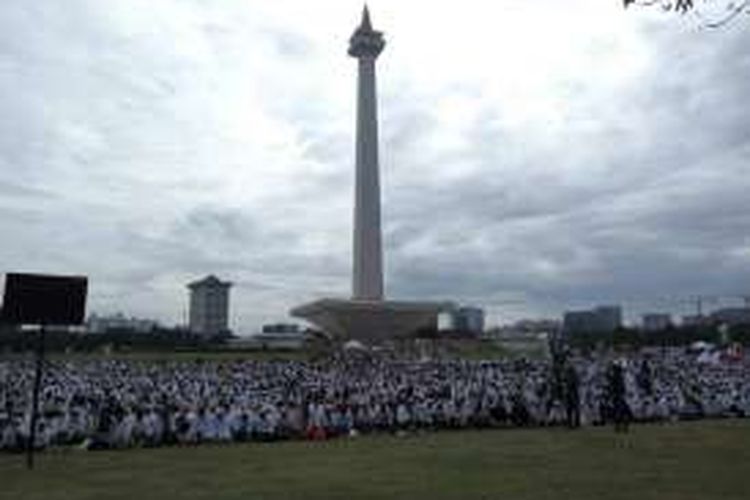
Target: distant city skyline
x,y
536,157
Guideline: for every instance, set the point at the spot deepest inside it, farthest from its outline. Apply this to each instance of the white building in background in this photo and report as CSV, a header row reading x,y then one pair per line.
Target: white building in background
x,y
119,323
209,307
656,322
281,336
277,336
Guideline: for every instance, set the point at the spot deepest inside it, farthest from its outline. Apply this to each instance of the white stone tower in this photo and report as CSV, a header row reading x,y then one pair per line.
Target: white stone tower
x,y
367,276
367,315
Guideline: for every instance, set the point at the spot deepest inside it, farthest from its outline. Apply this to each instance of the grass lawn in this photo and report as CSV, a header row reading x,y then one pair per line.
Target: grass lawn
x,y
701,460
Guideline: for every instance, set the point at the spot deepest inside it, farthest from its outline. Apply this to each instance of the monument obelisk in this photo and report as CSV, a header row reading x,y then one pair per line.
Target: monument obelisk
x,y
366,45
367,315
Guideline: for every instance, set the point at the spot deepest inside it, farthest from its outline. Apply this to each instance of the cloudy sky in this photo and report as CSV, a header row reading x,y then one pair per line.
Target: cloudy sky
x,y
535,156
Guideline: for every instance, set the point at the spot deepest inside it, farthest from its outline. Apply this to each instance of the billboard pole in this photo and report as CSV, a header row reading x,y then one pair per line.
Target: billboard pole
x,y
42,299
35,398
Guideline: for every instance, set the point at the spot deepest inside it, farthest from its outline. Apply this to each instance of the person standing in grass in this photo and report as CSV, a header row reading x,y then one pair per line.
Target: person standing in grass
x,y
620,412
403,417
572,397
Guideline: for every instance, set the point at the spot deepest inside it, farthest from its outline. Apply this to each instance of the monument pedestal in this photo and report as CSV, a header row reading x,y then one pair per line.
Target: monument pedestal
x,y
371,321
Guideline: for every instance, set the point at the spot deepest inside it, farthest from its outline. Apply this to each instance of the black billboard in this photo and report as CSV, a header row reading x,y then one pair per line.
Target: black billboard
x,y
37,299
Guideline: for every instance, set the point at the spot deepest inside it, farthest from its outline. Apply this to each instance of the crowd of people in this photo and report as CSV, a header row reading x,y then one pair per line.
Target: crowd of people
x,y
121,404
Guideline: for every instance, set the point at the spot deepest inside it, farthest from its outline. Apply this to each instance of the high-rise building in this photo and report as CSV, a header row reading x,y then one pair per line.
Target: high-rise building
x,y
602,319
580,322
609,317
469,319
209,307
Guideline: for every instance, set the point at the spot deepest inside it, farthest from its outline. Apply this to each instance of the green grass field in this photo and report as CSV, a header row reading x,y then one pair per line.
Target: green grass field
x,y
701,460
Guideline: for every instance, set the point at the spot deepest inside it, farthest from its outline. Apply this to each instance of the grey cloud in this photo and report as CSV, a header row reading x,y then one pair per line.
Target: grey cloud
x,y
114,162
664,200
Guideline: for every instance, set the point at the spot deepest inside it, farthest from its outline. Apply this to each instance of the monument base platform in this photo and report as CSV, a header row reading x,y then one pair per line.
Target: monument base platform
x,y
371,321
